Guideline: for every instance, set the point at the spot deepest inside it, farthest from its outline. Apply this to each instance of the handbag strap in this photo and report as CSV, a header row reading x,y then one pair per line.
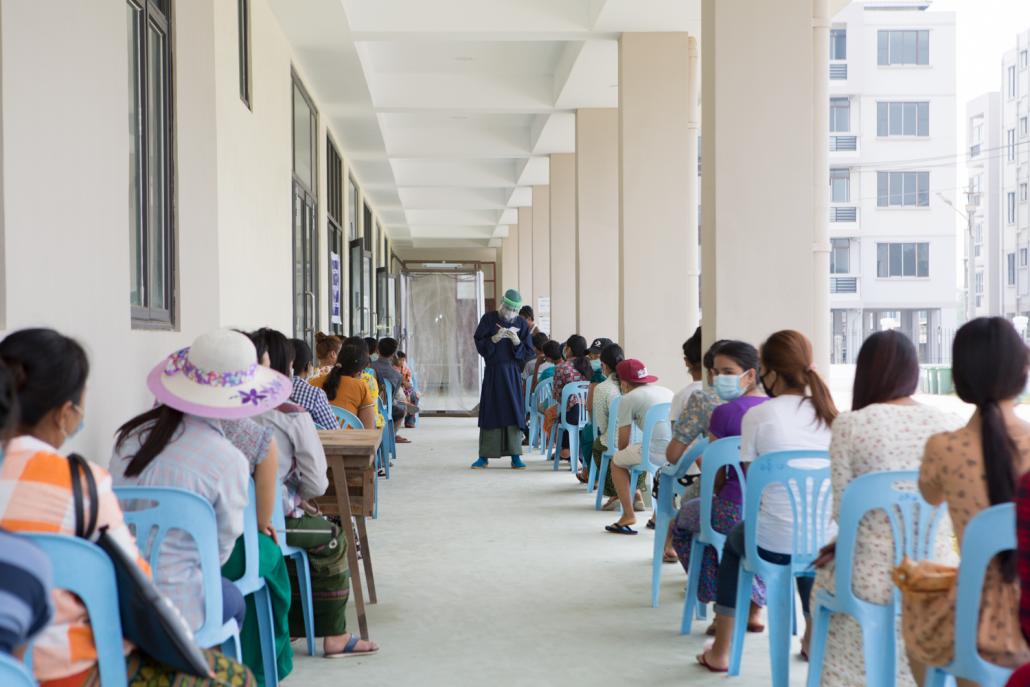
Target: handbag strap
x,y
84,527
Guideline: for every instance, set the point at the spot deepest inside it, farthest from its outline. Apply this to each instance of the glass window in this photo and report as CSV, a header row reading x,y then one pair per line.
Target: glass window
x,y
243,44
903,119
840,256
838,44
922,259
903,189
1023,59
304,128
1011,260
1011,144
352,208
882,251
1011,215
151,239
902,260
1022,257
1023,192
1012,81
1024,125
903,47
840,114
840,185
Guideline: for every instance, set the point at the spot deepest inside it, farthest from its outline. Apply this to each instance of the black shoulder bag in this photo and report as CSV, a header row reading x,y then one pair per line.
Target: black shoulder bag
x,y
149,619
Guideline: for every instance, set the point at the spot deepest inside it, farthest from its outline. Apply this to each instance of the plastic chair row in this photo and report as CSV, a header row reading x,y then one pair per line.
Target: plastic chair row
x,y
564,427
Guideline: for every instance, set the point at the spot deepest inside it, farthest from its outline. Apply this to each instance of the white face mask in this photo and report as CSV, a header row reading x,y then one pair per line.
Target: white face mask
x,y
507,314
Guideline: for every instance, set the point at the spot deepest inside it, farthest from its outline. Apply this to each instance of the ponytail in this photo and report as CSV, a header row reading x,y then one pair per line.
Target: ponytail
x,y
160,423
789,354
821,399
1000,454
332,382
353,359
578,345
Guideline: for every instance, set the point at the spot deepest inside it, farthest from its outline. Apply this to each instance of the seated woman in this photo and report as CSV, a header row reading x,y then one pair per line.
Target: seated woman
x,y
972,469
308,397
798,415
575,368
50,372
303,476
410,394
737,387
327,349
885,430
345,386
183,443
639,394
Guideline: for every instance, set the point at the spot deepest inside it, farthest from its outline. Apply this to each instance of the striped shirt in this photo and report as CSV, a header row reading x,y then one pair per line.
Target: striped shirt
x,y
36,496
314,400
25,582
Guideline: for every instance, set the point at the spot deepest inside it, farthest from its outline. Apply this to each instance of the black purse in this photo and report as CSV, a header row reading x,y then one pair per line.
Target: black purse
x,y
149,619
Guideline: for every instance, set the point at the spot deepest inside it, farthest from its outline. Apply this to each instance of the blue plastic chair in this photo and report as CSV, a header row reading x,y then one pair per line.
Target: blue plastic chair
x,y
913,524
85,570
542,393
153,512
656,415
531,418
253,583
348,420
383,452
579,390
664,511
613,441
14,674
989,533
806,477
300,560
391,436
718,455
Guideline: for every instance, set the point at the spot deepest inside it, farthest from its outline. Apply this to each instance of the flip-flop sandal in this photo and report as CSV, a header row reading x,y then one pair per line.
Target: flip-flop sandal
x,y
703,660
402,440
670,558
349,652
755,627
650,524
616,528
582,479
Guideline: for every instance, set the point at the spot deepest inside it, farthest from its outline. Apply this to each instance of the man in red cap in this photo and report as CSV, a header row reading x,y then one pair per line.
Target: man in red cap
x,y
639,395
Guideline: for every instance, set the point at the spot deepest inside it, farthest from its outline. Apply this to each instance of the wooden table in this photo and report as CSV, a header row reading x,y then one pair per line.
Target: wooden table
x,y
351,456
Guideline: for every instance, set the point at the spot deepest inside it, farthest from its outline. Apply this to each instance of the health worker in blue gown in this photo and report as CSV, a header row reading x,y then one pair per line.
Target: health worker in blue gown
x,y
503,339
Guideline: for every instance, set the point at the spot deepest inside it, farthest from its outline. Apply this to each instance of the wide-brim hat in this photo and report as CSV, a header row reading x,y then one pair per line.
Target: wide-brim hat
x,y
633,371
218,377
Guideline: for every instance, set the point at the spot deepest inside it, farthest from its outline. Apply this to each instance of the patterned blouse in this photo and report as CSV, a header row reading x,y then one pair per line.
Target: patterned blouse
x,y
369,377
564,374
696,416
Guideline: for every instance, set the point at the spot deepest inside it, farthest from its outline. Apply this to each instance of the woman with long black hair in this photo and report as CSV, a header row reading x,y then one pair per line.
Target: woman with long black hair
x,y
575,368
971,470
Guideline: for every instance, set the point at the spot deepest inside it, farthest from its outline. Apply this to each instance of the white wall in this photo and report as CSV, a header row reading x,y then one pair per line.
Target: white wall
x,y
563,245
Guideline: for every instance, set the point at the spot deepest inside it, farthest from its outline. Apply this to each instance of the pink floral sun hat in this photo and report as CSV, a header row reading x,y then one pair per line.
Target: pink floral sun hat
x,y
218,377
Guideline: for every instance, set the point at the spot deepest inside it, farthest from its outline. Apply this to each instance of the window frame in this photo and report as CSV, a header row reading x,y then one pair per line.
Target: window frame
x,y
842,245
244,52
902,252
885,48
1010,145
887,188
840,174
145,315
1010,263
835,107
1010,206
838,38
1011,89
885,120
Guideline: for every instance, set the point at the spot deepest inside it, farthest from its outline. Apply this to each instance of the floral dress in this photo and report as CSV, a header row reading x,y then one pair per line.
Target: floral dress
x,y
368,376
877,438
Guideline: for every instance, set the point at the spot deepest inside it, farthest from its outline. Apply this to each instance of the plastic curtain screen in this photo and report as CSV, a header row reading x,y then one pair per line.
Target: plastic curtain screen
x,y
442,312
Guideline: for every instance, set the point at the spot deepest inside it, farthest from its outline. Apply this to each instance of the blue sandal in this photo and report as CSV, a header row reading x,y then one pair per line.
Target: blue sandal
x,y
616,528
349,652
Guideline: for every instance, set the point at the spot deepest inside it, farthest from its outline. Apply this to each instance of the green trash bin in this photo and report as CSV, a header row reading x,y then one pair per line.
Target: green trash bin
x,y
932,379
944,380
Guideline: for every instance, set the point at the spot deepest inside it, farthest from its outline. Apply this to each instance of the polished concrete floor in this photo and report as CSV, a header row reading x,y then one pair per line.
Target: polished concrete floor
x,y
501,578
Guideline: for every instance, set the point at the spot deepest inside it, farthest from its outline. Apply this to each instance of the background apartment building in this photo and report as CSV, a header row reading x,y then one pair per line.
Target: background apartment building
x,y
998,135
892,175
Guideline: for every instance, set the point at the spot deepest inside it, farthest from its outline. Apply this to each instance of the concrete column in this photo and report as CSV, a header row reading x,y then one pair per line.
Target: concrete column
x,y
692,294
525,251
597,223
765,180
563,244
541,248
509,277
654,174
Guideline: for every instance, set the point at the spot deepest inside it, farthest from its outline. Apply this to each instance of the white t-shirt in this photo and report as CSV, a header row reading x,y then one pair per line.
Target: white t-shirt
x,y
780,424
679,401
633,410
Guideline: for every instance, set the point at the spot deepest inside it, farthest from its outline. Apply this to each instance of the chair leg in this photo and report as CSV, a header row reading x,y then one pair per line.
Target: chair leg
x,y
661,529
817,648
592,476
743,604
266,633
779,611
556,449
306,600
602,475
697,552
573,450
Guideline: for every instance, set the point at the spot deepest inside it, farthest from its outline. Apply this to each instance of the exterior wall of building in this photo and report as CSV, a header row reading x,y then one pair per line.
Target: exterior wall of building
x,y
1015,159
993,243
858,147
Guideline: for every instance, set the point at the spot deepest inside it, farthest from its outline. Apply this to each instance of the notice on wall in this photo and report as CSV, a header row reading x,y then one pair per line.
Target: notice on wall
x,y
335,283
542,315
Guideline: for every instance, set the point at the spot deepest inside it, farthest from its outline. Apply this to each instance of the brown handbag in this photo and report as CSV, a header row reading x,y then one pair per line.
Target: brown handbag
x,y
924,577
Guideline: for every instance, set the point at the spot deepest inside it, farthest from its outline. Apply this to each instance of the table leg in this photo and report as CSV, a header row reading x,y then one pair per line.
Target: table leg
x,y
343,498
366,559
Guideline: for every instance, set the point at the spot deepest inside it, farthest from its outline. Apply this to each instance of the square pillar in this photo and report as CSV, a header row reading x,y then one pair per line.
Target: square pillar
x,y
525,251
541,250
563,244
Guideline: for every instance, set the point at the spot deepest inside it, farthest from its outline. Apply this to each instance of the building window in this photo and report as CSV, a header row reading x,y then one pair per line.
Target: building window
x,y
1011,147
151,165
978,239
894,260
1011,215
979,288
840,185
1011,261
903,119
352,208
840,114
1022,192
1022,257
1012,81
902,189
903,47
1023,59
838,44
334,234
243,26
1024,126
840,256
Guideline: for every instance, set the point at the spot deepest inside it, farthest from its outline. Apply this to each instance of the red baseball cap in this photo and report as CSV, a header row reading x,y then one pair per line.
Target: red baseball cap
x,y
633,371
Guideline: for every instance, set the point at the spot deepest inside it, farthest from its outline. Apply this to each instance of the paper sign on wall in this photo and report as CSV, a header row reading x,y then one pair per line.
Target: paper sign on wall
x,y
542,317
335,282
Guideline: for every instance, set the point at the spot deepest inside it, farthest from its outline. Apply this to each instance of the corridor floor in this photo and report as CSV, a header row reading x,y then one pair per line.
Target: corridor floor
x,y
501,578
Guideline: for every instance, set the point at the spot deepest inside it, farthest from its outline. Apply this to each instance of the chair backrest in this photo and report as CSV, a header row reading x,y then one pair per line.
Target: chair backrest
x,y
613,421
389,393
578,389
527,397
348,420
13,673
680,467
805,475
251,574
913,523
153,512
721,453
543,391
85,570
989,533
657,414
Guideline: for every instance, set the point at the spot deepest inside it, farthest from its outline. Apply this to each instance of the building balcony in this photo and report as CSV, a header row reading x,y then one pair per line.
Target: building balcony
x,y
843,213
843,285
843,144
838,71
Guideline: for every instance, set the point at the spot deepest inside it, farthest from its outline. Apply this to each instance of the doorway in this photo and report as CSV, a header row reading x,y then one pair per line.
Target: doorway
x,y
360,289
305,216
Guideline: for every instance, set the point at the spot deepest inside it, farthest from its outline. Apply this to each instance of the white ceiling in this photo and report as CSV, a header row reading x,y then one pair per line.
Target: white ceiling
x,y
448,109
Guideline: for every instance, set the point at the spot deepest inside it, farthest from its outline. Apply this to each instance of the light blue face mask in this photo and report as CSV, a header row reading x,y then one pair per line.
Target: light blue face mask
x,y
728,387
81,425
